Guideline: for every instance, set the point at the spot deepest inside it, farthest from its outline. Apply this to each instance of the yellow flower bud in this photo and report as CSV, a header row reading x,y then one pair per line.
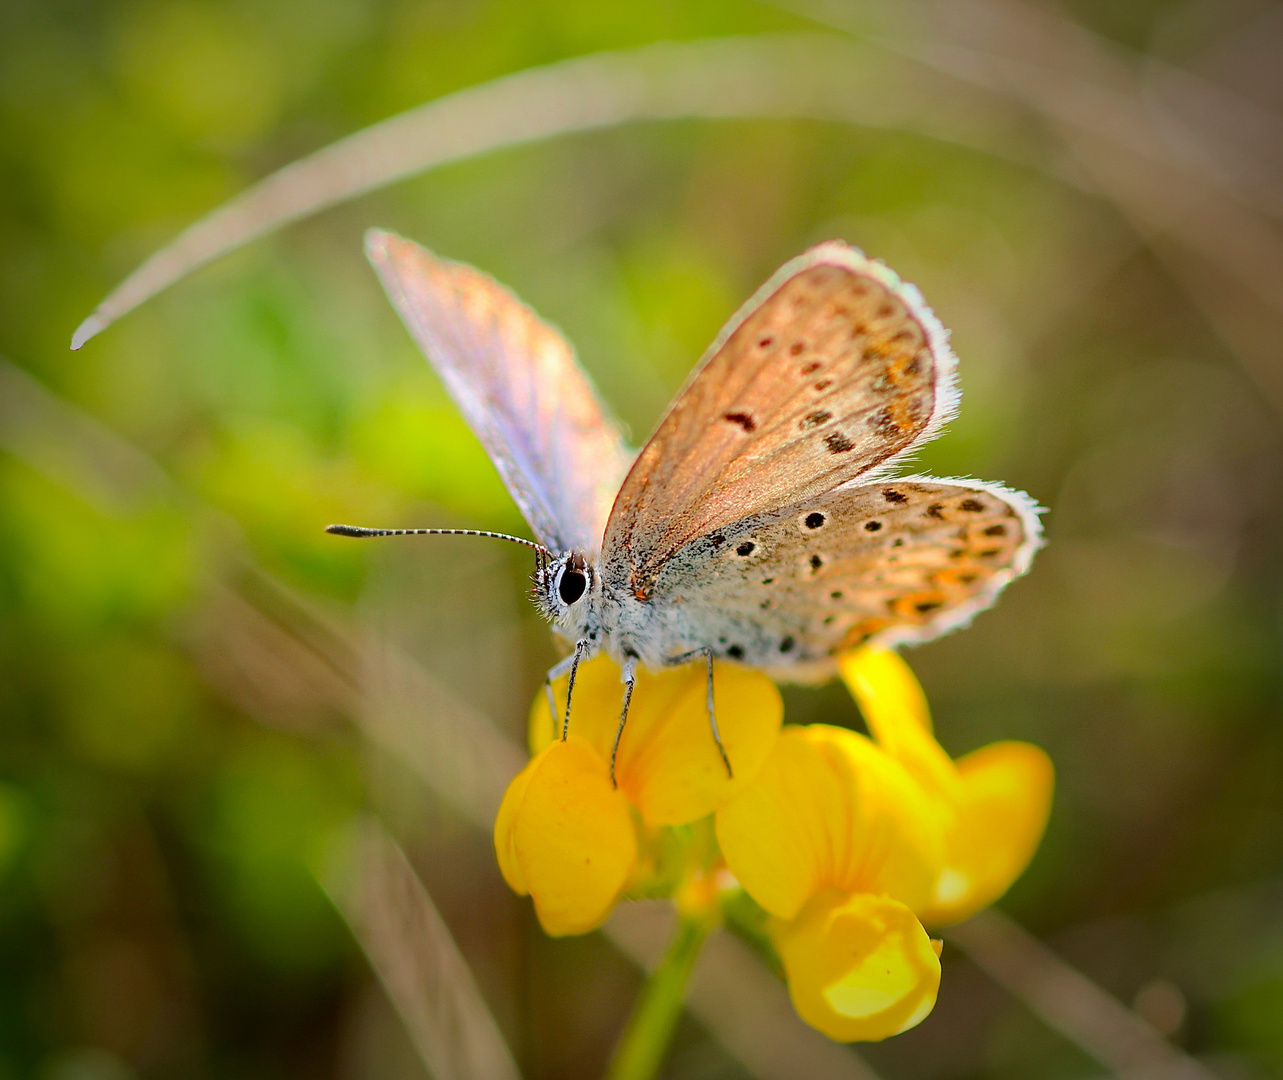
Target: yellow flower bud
x,y
860,968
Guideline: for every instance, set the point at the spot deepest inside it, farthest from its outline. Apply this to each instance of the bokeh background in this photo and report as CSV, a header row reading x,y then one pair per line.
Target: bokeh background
x,y
1089,196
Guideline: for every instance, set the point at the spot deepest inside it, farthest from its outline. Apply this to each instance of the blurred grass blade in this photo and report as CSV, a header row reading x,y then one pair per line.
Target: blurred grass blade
x,y
739,1001
1197,207
457,751
1069,1002
73,449
816,76
415,958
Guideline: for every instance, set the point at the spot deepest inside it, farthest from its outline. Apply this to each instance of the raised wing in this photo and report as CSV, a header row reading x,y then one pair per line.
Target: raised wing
x,y
832,370
899,561
517,383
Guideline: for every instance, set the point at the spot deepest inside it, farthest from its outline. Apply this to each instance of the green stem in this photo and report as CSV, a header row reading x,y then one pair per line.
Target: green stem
x,y
644,1043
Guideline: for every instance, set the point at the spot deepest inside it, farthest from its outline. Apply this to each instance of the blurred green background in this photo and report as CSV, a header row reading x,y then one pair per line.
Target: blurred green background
x,y
180,640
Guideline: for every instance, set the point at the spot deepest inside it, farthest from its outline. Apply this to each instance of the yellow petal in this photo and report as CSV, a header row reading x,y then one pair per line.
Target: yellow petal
x,y
668,764
898,841
503,830
860,968
1006,799
830,810
778,837
566,837
895,708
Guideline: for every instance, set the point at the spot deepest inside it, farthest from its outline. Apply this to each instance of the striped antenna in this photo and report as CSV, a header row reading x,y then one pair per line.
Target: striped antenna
x,y
361,531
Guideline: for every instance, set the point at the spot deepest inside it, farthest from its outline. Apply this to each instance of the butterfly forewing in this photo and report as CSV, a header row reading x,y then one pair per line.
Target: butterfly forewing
x,y
517,383
903,560
828,374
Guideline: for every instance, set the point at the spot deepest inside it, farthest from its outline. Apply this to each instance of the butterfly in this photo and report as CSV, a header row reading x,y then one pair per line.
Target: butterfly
x,y
761,522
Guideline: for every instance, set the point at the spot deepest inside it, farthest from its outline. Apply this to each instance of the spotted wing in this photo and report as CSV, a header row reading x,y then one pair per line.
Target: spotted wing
x,y
904,560
830,372
517,383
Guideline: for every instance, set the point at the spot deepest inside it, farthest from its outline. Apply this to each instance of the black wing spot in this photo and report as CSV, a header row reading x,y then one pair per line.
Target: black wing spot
x,y
817,561
872,526
743,419
787,643
893,496
925,606
717,541
884,423
898,542
815,419
736,652
746,548
824,384
815,520
838,443
935,510
767,580
966,579
990,554
811,368
796,348
836,594
974,506
765,343
996,530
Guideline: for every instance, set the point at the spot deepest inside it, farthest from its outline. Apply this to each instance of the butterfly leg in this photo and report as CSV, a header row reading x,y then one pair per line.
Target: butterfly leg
x,y
712,717
580,648
561,667
630,680
707,653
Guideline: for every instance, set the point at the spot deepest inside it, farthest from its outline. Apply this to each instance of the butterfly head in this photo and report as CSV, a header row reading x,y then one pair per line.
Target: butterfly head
x,y
564,587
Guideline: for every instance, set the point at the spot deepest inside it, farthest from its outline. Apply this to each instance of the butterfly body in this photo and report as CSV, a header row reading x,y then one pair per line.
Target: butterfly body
x,y
761,523
773,590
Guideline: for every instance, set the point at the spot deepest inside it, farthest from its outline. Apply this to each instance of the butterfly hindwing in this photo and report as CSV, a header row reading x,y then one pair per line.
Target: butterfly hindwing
x,y
829,373
902,560
517,383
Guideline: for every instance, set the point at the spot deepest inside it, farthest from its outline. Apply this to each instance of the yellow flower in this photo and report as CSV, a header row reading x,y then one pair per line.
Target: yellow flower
x,y
860,967
853,844
838,840
850,843
997,799
575,843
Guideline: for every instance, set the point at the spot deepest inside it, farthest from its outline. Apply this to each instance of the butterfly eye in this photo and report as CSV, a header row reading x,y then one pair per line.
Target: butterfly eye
x,y
571,586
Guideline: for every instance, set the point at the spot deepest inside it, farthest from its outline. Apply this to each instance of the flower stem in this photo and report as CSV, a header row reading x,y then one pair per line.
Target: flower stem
x,y
644,1043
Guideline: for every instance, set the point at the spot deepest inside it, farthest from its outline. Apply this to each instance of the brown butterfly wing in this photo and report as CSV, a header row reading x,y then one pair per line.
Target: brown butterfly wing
x,y
517,383
903,560
831,371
